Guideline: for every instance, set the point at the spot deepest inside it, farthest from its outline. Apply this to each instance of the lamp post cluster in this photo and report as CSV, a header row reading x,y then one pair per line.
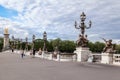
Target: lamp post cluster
x,y
44,38
15,43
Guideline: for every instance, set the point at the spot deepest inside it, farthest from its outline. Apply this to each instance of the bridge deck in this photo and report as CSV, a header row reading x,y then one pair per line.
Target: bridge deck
x,y
12,67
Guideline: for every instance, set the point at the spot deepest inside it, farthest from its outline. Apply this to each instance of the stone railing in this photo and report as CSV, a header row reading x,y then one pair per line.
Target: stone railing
x,y
116,59
67,57
107,58
47,55
98,57
59,57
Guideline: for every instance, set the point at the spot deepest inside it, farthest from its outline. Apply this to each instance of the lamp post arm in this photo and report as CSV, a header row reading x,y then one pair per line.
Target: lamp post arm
x,y
88,27
76,25
90,23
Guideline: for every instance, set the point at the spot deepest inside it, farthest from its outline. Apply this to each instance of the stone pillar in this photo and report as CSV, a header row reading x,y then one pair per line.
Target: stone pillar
x,y
6,41
82,54
107,58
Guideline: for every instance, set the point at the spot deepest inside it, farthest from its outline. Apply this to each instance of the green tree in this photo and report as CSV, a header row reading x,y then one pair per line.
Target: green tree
x,y
91,46
39,44
96,47
118,48
67,46
23,45
54,43
50,46
99,46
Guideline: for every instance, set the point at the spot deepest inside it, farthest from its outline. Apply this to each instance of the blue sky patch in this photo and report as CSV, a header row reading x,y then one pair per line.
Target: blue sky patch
x,y
7,13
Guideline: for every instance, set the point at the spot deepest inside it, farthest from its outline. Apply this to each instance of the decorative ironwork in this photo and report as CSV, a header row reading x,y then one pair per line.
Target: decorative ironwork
x,y
82,41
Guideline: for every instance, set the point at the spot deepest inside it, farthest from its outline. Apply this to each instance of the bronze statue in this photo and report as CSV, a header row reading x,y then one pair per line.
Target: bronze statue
x,y
82,41
79,41
109,47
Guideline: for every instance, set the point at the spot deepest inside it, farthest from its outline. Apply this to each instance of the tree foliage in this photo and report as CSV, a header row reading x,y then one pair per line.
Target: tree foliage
x,y
39,44
67,46
63,45
118,48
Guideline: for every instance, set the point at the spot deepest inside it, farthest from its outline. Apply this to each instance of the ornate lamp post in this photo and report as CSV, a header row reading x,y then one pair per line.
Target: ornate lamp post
x,y
45,39
12,44
33,40
26,46
20,44
82,49
82,26
82,41
17,43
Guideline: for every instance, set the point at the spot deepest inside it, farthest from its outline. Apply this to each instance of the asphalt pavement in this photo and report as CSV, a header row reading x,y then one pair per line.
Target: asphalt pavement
x,y
13,67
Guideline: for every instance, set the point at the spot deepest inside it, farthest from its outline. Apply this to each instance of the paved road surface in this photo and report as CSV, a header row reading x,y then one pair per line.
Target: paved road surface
x,y
12,67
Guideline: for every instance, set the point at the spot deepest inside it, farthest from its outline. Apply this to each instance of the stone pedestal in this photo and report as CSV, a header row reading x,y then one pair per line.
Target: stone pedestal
x,y
82,54
6,42
107,58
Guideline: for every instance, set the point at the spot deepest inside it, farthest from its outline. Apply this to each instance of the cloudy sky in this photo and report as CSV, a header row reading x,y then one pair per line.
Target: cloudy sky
x,y
27,17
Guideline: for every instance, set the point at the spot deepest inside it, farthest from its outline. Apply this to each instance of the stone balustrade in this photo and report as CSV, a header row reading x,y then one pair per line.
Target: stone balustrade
x,y
101,58
116,59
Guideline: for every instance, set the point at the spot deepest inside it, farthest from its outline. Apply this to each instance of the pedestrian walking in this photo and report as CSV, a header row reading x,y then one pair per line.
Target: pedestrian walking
x,y
12,50
33,52
22,54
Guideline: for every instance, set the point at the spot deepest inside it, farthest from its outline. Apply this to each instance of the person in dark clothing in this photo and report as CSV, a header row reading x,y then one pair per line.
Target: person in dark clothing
x,y
33,52
12,50
22,54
